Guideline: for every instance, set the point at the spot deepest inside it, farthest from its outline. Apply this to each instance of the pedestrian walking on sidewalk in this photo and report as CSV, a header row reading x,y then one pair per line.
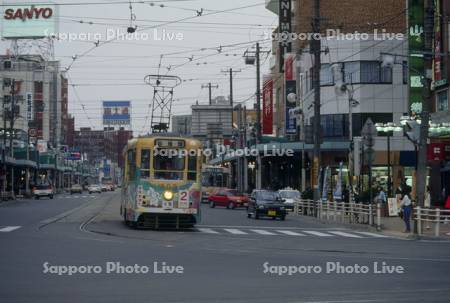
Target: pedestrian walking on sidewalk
x,y
427,205
406,206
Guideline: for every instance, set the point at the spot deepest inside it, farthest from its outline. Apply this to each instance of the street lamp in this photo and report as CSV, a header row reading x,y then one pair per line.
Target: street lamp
x,y
388,129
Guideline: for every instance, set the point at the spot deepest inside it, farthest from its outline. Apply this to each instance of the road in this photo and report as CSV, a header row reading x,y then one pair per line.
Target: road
x,y
226,258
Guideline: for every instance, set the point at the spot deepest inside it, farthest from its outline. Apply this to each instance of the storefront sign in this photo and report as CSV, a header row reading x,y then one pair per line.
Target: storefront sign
x,y
30,108
291,122
285,29
267,128
416,62
436,151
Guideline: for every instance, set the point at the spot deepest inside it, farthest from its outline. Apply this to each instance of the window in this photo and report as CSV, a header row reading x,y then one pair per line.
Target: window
x,y
352,72
326,75
192,168
145,163
167,166
405,72
131,161
369,72
442,101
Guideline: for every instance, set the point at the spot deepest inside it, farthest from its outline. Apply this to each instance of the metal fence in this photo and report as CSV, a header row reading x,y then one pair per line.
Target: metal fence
x,y
435,217
342,212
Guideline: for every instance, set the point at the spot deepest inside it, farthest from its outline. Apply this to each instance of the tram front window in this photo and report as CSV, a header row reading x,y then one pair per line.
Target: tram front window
x,y
168,167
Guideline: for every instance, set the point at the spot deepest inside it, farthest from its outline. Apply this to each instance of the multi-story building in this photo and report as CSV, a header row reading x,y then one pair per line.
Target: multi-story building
x,y
115,141
181,124
91,143
212,123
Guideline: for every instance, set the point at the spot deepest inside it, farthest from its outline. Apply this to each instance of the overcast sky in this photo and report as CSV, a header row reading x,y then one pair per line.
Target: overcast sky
x,y
115,70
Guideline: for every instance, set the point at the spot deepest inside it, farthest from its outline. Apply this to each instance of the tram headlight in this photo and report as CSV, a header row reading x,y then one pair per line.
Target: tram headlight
x,y
168,195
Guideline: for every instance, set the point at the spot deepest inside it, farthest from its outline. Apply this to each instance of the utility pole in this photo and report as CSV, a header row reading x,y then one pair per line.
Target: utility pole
x,y
316,50
11,132
231,71
4,181
210,86
258,117
426,103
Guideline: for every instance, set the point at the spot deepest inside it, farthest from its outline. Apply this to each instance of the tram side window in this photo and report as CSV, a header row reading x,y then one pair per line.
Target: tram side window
x,y
192,168
131,164
145,163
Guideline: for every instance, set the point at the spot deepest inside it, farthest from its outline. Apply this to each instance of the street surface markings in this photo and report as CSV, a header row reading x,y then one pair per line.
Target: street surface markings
x,y
9,228
365,233
235,231
290,233
263,232
207,230
84,196
316,233
343,234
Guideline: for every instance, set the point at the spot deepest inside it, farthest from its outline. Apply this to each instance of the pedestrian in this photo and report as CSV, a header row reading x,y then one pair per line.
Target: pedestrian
x,y
406,208
381,198
427,205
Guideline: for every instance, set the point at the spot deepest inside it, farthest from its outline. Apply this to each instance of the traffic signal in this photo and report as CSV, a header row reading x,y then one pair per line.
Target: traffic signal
x,y
412,131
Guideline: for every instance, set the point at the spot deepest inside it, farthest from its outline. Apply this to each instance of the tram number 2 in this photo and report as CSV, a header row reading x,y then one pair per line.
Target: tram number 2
x,y
183,200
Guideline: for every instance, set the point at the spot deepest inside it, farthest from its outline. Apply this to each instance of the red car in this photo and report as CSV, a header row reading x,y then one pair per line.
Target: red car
x,y
228,198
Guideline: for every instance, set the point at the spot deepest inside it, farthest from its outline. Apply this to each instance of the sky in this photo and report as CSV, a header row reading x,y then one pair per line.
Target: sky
x,y
195,49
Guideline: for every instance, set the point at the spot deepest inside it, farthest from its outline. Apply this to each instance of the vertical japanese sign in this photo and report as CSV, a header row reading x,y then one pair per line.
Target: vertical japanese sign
x,y
285,29
30,108
416,62
290,87
437,61
267,122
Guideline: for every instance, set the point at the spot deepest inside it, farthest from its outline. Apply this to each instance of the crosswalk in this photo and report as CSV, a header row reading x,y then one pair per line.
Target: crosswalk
x,y
7,229
78,196
289,232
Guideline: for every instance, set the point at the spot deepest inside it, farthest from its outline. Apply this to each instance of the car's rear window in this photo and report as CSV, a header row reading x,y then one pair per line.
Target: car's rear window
x,y
44,186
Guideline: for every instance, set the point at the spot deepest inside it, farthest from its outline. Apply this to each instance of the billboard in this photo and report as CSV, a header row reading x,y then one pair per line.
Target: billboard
x,y
267,123
116,112
284,27
28,21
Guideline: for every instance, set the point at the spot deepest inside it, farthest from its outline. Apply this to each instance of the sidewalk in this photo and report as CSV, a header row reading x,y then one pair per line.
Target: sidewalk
x,y
395,226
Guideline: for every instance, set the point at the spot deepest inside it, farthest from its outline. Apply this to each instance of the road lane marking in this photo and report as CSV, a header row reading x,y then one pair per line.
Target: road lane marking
x,y
207,230
343,234
235,231
289,233
316,233
9,229
375,235
263,232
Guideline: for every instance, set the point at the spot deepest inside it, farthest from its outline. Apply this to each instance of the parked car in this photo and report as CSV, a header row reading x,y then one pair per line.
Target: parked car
x,y
94,188
76,188
43,190
289,196
266,203
228,198
104,187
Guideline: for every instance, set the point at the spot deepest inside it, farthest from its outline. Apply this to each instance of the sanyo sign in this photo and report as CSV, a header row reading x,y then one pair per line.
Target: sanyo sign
x,y
28,21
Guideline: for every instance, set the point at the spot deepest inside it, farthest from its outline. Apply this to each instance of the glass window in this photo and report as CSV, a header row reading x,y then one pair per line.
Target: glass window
x,y
192,168
168,167
352,72
326,75
405,72
370,72
131,159
442,101
145,163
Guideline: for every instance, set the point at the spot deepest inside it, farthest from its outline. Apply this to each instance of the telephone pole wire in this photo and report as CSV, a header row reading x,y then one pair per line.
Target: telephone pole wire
x,y
210,86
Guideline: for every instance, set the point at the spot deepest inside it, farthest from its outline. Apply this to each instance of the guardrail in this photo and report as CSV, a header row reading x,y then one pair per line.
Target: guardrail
x,y
343,212
431,216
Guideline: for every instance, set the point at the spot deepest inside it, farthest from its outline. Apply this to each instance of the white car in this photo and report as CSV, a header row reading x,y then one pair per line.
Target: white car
x,y
94,188
289,196
43,190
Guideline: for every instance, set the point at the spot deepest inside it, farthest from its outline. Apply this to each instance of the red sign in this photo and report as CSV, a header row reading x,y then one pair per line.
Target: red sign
x,y
289,67
28,13
267,123
436,152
